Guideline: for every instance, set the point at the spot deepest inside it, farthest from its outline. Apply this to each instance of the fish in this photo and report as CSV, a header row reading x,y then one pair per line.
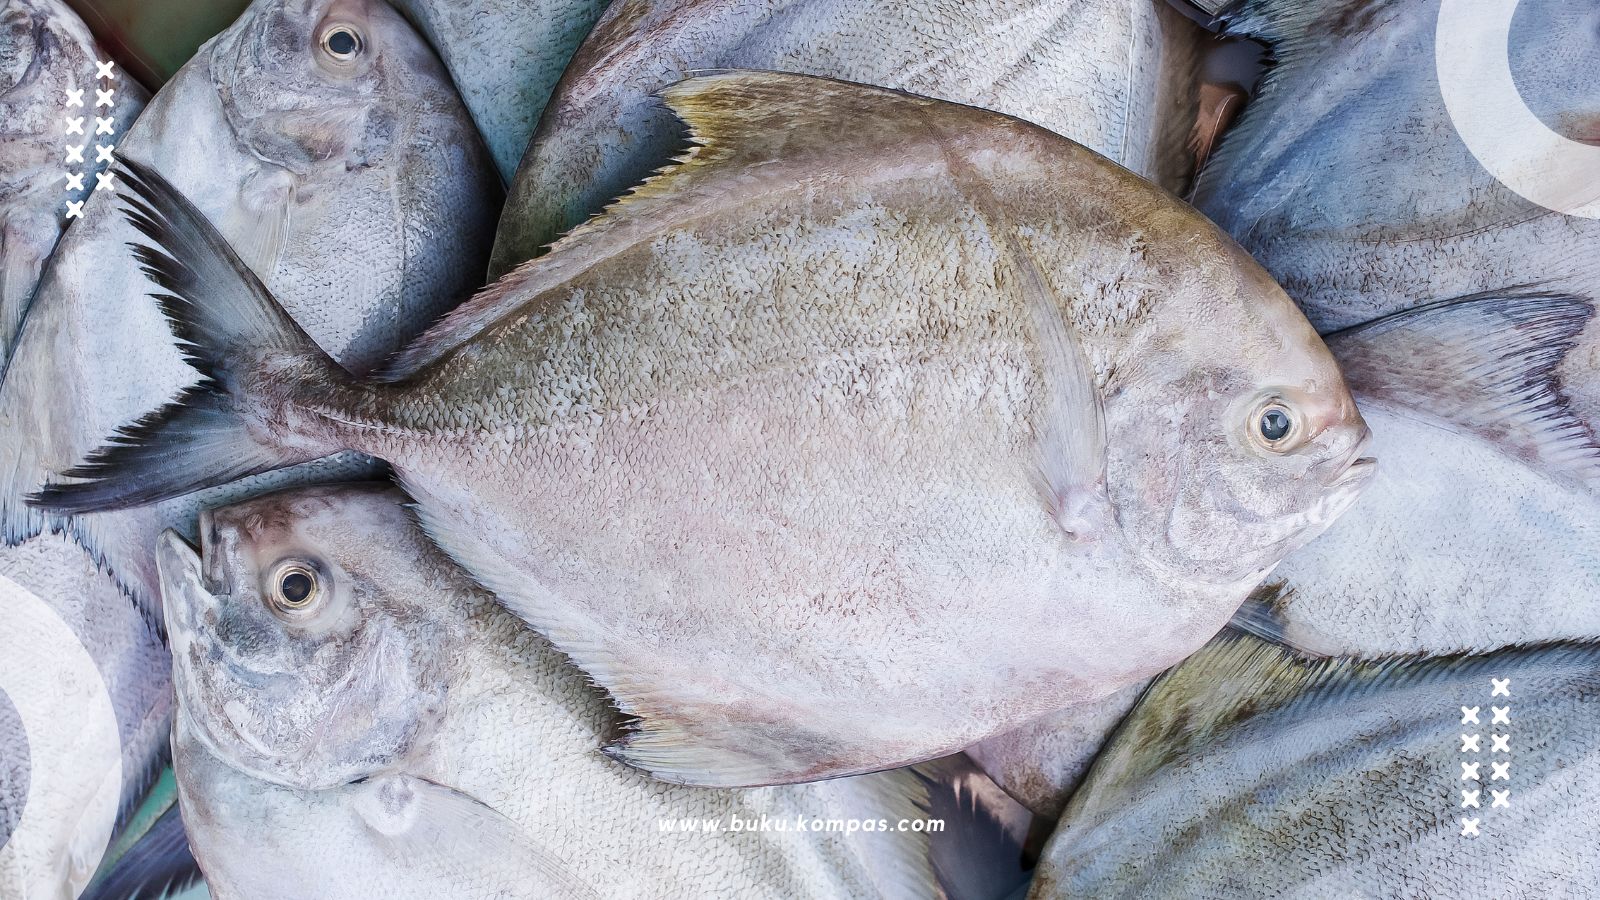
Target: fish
x,y
46,52
150,859
353,185
1350,176
818,411
362,196
1041,763
1251,771
477,773
505,56
1475,534
1119,77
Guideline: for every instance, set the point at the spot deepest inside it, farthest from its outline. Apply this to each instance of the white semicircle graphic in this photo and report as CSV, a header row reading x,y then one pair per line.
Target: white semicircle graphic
x,y
1472,52
74,751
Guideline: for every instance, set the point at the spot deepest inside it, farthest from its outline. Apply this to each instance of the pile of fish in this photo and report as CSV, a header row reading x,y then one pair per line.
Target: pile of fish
x,y
801,448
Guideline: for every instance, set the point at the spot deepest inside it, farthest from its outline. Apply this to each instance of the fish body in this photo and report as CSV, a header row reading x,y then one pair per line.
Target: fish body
x,y
477,773
1116,76
45,52
1358,218
759,448
505,57
1248,772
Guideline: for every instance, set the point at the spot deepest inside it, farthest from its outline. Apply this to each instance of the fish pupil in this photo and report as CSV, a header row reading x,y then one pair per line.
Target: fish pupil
x,y
295,587
342,43
1275,424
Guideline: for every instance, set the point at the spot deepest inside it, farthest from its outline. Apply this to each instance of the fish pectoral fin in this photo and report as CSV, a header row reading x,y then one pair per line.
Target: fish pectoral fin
x,y
1486,365
157,866
441,830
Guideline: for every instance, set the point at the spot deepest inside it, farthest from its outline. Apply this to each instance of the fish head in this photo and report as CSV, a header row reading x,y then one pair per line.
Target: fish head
x,y
1234,438
300,649
310,82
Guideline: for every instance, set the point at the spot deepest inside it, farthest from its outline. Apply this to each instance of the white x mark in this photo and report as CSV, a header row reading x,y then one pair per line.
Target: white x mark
x,y
1469,715
74,209
74,181
1469,743
1502,715
74,97
1469,798
1469,771
75,126
103,98
1501,798
102,69
75,154
102,152
103,180
1502,687
1469,827
1502,743
103,126
1502,772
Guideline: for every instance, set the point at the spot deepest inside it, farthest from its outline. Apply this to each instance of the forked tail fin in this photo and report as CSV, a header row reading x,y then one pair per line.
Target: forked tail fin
x,y
252,355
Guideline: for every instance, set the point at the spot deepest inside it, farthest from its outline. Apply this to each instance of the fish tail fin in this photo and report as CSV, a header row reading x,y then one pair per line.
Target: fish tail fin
x,y
251,355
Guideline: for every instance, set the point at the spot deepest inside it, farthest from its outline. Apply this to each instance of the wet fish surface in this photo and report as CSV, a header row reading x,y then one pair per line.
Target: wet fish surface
x,y
505,56
763,489
1358,218
477,773
45,51
1248,772
1117,76
351,186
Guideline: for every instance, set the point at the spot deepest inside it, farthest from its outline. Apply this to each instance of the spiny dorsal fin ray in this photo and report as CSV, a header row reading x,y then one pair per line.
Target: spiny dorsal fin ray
x,y
1486,365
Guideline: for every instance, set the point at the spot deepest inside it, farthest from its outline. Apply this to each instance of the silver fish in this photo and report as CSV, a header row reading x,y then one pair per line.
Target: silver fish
x,y
883,398
352,184
354,187
505,57
1350,179
1116,76
1247,772
473,772
1478,532
45,52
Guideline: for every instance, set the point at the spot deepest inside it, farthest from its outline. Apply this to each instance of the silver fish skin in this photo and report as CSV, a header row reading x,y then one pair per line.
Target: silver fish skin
x,y
762,489
86,678
1116,76
45,50
1250,772
356,188
505,57
476,773
1478,531
1348,179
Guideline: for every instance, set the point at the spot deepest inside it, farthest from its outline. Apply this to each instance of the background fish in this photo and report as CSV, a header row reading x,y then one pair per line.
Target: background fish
x,y
1116,76
45,50
355,187
1347,178
764,489
505,57
476,772
1247,772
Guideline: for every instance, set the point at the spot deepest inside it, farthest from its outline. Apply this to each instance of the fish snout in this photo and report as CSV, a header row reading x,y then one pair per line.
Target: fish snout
x,y
184,596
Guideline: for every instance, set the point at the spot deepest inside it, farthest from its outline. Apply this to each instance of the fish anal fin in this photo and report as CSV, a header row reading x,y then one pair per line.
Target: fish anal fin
x,y
1486,365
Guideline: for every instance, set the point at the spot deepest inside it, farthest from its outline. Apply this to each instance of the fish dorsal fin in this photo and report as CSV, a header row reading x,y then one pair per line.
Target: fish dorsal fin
x,y
751,133
1287,24
1485,365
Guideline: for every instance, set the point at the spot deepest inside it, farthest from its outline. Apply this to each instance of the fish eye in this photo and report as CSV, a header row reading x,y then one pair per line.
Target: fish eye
x,y
341,42
1275,426
294,586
